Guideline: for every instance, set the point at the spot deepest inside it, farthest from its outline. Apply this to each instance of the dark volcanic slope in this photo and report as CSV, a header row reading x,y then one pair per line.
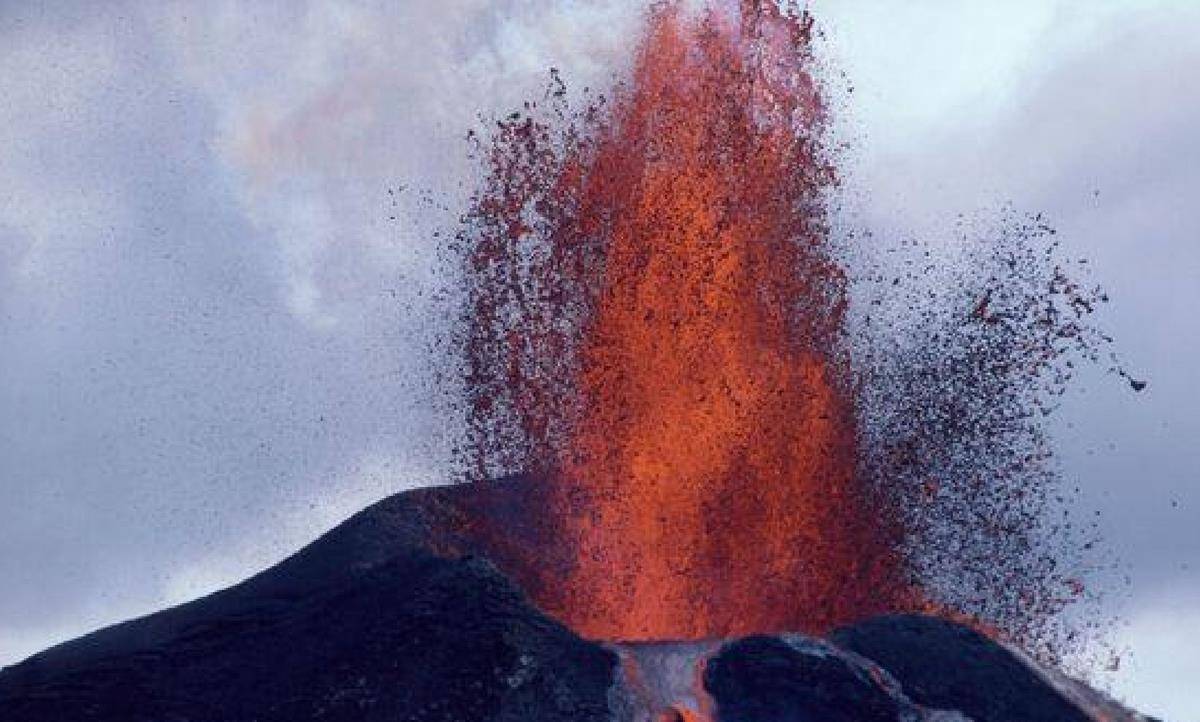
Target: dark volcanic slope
x,y
945,665
379,619
400,614
768,679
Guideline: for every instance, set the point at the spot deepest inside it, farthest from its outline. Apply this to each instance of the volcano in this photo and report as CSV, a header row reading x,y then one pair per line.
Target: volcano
x,y
655,314
407,611
655,311
698,492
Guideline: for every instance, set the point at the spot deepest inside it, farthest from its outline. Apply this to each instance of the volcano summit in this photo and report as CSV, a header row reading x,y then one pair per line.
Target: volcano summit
x,y
399,614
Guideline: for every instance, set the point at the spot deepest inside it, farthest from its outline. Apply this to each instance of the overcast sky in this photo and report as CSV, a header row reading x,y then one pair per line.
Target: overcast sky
x,y
213,312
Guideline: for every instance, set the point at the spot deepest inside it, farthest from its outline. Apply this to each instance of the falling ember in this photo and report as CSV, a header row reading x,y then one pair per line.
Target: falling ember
x,y
657,325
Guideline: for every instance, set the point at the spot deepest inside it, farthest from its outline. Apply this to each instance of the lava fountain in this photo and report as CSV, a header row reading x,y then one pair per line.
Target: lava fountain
x,y
656,322
715,440
657,327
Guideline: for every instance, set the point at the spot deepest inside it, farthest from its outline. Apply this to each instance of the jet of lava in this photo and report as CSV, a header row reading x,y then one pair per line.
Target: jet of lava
x,y
665,334
657,326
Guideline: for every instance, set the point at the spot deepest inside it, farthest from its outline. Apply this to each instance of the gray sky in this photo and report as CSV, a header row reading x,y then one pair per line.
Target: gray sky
x,y
211,326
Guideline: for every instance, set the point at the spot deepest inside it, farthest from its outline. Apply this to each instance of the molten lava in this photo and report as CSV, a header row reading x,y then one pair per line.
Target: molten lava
x,y
715,441
656,322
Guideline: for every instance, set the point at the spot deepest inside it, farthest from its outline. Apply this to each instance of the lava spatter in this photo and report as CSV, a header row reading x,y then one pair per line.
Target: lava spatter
x,y
658,321
657,317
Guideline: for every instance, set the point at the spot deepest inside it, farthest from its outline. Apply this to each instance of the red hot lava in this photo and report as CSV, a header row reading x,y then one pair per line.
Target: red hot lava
x,y
656,322
655,311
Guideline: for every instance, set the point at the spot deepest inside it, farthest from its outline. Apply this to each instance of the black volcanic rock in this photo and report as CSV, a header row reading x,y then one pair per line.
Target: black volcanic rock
x,y
770,679
367,623
942,664
415,609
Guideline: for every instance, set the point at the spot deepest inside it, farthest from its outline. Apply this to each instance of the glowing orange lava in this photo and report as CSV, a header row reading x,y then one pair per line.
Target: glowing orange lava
x,y
671,349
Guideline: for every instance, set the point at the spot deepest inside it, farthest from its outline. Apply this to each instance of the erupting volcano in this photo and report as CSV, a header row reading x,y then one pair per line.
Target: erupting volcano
x,y
656,321
657,310
732,457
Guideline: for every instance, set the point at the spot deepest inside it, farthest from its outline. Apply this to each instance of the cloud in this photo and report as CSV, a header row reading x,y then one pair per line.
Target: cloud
x,y
324,107
213,314
296,521
209,319
1159,674
1088,114
51,116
